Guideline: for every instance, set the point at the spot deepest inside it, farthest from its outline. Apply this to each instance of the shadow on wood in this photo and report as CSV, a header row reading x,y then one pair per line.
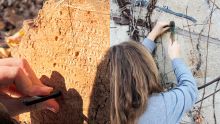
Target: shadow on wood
x,y
70,102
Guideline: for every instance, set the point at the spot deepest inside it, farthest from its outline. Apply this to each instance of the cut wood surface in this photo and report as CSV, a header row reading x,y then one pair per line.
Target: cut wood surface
x,y
66,46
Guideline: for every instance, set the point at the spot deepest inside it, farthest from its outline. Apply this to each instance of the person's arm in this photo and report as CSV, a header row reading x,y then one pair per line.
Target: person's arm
x,y
181,98
149,44
158,29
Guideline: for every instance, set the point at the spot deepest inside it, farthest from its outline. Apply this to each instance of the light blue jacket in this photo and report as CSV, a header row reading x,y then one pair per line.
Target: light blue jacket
x,y
168,107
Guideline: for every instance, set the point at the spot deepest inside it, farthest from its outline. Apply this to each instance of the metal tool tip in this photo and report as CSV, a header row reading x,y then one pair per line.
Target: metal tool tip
x,y
172,24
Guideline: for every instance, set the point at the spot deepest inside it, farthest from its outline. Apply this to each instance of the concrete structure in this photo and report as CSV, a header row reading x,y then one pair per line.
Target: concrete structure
x,y
191,44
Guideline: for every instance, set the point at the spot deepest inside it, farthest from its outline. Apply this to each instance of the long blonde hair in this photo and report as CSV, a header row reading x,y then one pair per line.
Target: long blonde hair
x,y
133,77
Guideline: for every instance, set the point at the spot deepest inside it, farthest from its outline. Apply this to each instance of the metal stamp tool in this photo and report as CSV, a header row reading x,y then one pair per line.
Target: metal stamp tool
x,y
172,30
38,99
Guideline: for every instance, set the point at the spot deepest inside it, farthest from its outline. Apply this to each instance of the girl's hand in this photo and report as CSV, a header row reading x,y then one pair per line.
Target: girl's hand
x,y
173,49
18,80
158,29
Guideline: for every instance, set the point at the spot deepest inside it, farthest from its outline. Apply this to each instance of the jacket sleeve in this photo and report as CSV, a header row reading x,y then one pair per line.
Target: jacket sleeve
x,y
181,98
149,44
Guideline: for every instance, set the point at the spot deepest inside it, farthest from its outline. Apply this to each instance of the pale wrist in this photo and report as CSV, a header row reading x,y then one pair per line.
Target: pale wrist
x,y
151,36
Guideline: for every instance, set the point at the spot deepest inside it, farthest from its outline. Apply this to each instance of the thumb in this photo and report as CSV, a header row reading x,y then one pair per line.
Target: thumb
x,y
39,90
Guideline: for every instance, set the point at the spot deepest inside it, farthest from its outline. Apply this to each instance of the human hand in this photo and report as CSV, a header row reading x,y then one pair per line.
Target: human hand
x,y
18,80
158,29
173,49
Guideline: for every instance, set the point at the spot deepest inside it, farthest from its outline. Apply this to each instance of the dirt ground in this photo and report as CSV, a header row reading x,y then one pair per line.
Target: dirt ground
x,y
12,15
14,12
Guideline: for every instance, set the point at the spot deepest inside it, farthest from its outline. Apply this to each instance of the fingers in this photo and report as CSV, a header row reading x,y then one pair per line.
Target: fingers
x,y
26,74
52,105
16,76
11,91
163,24
162,27
165,29
36,90
24,65
8,76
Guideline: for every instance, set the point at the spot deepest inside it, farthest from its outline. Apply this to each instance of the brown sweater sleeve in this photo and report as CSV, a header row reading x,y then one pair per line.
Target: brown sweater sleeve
x,y
4,116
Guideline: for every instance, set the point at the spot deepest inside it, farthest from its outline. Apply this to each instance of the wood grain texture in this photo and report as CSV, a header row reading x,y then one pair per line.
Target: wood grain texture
x,y
66,47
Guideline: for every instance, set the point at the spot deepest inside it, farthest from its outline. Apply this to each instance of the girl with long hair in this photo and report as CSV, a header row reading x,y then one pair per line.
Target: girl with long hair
x,y
137,96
